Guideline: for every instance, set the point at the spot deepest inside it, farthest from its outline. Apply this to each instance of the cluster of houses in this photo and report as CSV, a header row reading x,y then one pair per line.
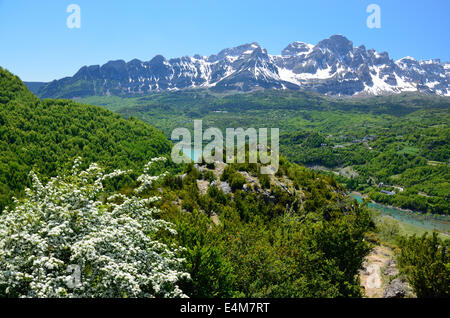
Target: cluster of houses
x,y
382,185
365,139
388,192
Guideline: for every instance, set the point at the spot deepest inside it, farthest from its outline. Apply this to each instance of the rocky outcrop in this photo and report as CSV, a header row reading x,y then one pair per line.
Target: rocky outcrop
x,y
395,289
203,186
223,186
391,269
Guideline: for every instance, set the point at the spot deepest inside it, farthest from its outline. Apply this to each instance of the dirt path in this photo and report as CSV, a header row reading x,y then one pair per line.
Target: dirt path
x,y
371,277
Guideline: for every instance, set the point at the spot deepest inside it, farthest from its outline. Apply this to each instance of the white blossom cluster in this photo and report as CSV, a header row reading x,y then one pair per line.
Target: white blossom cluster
x,y
68,222
147,180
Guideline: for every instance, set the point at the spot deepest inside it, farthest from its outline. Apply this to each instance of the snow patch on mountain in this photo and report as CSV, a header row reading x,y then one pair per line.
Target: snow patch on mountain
x,y
333,67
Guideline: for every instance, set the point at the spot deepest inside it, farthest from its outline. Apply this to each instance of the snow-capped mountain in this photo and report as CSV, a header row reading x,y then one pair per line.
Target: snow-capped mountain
x,y
333,66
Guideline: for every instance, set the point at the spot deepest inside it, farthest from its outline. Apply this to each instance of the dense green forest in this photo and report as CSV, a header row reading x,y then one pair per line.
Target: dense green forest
x,y
44,135
374,145
209,230
295,234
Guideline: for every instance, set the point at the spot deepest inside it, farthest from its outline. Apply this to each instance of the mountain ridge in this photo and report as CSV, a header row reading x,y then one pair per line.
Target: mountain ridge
x,y
332,67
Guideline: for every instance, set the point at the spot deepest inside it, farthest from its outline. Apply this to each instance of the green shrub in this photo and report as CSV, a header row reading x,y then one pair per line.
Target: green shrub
x,y
264,179
237,181
426,263
227,173
209,176
388,230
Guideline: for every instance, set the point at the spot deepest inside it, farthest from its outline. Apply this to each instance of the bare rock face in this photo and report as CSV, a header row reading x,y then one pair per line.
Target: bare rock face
x,y
199,168
395,289
390,269
253,181
219,167
224,186
203,186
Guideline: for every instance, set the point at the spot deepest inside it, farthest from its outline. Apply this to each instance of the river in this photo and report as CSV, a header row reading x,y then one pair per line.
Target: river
x,y
436,222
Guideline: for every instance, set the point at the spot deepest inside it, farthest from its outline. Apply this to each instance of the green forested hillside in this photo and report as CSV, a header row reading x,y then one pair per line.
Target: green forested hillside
x,y
242,234
44,135
11,87
295,234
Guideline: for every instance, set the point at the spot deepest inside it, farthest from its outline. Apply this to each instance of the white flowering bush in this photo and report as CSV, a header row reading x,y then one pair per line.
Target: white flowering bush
x,y
68,239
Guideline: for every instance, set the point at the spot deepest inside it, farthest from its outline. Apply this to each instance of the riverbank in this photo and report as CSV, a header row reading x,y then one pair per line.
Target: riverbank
x,y
410,222
365,196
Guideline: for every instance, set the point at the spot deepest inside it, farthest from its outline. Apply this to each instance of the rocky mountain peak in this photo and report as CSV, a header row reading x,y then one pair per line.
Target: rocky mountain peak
x,y
332,67
297,48
337,44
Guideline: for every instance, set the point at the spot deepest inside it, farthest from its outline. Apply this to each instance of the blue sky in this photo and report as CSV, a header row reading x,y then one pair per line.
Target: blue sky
x,y
38,46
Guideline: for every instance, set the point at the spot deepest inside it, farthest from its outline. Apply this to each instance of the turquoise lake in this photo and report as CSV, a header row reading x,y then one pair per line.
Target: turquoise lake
x,y
192,153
